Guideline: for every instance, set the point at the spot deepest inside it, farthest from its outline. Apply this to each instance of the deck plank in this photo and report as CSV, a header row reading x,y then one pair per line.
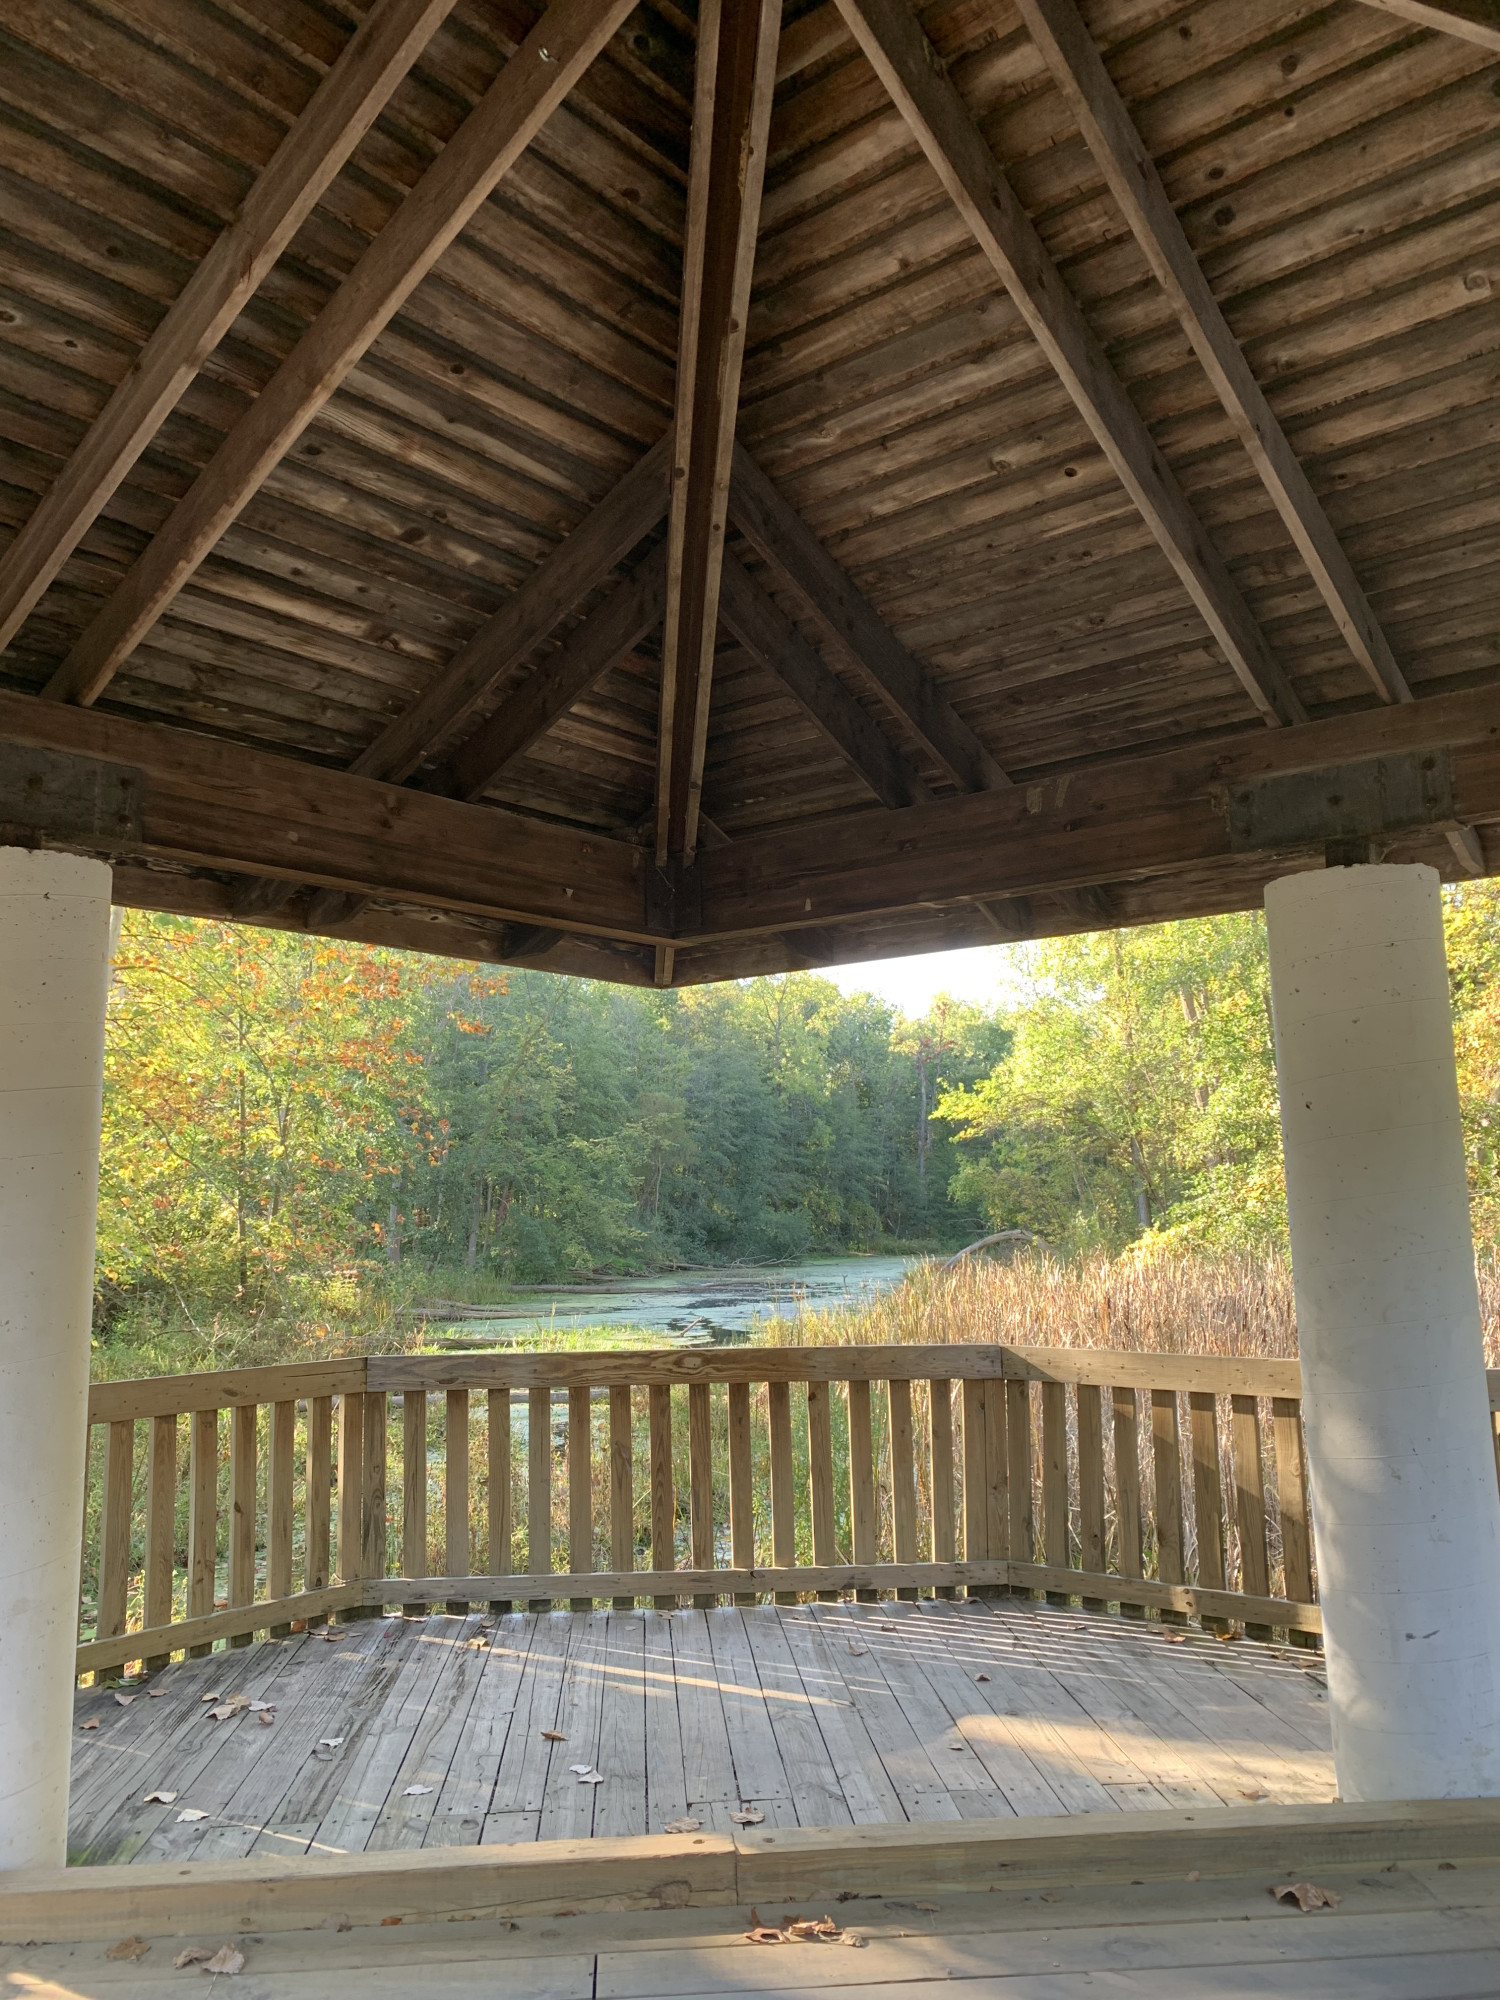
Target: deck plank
x,y
567,1803
403,1820
666,1776
464,1801
812,1780
621,1805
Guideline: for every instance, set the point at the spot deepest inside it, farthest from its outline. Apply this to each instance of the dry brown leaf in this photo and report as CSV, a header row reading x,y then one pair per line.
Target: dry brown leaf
x,y
981,1677
128,1947
856,1938
124,1699
416,1791
158,1798
685,1825
812,1930
553,1736
157,1694
265,1716
190,1813
764,1934
210,1697
92,1723
857,1651
748,1816
387,1922
194,1954
228,1959
297,1625
1229,1638
332,1634
234,1704
1306,1895
1255,1795
1174,1638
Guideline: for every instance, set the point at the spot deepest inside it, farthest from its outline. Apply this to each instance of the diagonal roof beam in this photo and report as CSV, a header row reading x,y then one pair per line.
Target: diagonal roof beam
x,y
603,639
1476,21
764,629
1059,32
913,73
736,75
783,539
525,94
338,115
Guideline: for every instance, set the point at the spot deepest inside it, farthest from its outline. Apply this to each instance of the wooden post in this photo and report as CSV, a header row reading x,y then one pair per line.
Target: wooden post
x,y
281,1477
203,1519
976,1478
1055,1540
161,1528
539,1490
580,1488
374,1557
1021,1510
783,1484
621,1486
903,1482
1128,1491
114,1537
1250,1502
663,1488
497,1438
351,1469
701,1486
944,1509
414,1491
819,1479
242,1469
862,1481
1093,1553
1166,1447
317,1538
1291,1495
743,1495
457,1558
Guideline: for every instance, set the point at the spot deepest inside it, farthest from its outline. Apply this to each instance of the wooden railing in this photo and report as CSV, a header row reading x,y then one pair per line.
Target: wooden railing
x,y
265,1497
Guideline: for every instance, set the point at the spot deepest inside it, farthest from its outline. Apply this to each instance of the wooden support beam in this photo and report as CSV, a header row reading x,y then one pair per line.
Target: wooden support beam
x,y
1476,21
1078,69
780,536
764,629
607,636
517,104
913,73
338,115
736,74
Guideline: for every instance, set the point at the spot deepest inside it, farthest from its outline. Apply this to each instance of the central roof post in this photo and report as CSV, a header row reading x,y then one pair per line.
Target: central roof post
x,y
1399,1436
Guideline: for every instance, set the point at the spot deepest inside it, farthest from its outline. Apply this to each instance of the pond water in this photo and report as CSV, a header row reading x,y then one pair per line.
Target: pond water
x,y
694,1308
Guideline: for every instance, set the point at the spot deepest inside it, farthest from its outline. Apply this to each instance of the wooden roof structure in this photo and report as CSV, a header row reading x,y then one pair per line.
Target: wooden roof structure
x,y
671,493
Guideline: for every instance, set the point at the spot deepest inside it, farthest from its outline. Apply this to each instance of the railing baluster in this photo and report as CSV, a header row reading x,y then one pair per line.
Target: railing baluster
x,y
820,1494
621,1486
318,1500
1208,1493
414,1490
580,1489
1128,1492
783,1484
1291,1493
1055,1548
701,1487
280,1487
1021,1511
1166,1448
351,1473
976,1477
862,1481
114,1531
997,1475
743,1493
456,1557
497,1434
944,1511
1092,1548
539,1490
161,1529
903,1480
203,1519
242,1455
663,1488
1250,1503
374,1551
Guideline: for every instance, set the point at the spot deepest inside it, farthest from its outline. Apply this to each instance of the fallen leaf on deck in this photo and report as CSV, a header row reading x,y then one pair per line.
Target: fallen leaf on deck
x,y
1228,1638
1306,1895
591,1777
553,1736
190,1813
297,1625
228,1958
686,1825
981,1677
194,1954
265,1716
335,1923
157,1694
856,1938
579,1769
889,1628
760,1933
813,1930
331,1636
857,1651
235,1704
416,1791
124,1699
1174,1638
386,1922
131,1947
158,1798
258,1705
93,1723
210,1697
329,1742
1255,1795
748,1817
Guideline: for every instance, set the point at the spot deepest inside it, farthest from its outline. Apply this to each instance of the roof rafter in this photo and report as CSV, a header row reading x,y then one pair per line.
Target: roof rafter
x,y
1478,21
1077,67
913,73
338,115
783,539
735,79
523,96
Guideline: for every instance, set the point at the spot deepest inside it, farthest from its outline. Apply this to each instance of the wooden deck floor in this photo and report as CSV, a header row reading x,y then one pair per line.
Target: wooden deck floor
x,y
408,1733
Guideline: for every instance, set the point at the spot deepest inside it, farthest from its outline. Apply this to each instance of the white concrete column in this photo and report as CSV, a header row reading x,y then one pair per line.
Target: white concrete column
x,y
1401,1463
54,970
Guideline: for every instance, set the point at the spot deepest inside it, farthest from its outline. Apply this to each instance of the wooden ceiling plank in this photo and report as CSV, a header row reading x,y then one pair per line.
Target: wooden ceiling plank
x,y
1077,67
1478,22
783,539
530,87
608,635
338,115
765,631
913,74
736,75
579,563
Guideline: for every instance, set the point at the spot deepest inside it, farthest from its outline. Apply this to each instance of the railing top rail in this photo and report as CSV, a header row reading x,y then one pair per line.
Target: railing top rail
x,y
174,1395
